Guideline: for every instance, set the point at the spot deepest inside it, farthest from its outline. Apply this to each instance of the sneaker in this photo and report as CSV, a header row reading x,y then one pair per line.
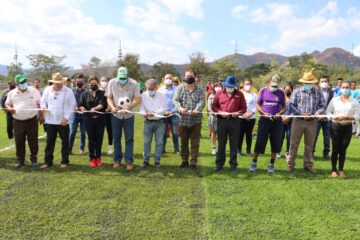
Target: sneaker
x,y
184,164
278,155
287,155
213,152
129,167
92,163
110,150
35,165
45,166
64,165
248,153
310,169
290,169
157,165
82,151
342,174
177,152
218,168
98,162
235,169
19,165
193,167
116,165
271,168
326,157
252,167
145,164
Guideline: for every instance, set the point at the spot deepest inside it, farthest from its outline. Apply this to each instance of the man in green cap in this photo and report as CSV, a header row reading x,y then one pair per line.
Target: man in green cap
x,y
20,103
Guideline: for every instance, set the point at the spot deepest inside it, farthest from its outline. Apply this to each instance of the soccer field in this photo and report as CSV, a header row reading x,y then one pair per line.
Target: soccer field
x,y
173,203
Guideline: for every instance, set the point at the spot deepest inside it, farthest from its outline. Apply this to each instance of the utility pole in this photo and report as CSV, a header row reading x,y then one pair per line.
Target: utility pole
x,y
120,53
351,62
236,57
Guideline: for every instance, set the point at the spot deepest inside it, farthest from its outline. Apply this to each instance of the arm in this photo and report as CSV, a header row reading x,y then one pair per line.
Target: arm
x,y
321,105
216,103
293,105
201,104
9,104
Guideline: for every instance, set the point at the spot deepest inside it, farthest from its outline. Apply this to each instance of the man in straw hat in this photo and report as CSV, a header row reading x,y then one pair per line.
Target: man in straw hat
x,y
306,102
59,103
21,102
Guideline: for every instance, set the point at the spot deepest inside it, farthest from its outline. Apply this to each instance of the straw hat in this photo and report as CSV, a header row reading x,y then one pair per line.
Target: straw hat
x,y
57,78
309,77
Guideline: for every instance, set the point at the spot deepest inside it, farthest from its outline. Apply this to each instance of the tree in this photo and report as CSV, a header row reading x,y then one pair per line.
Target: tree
x,y
131,62
159,70
256,70
198,64
14,69
44,66
95,61
222,68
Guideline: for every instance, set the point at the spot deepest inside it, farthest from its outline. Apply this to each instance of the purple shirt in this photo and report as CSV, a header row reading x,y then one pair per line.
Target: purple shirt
x,y
271,102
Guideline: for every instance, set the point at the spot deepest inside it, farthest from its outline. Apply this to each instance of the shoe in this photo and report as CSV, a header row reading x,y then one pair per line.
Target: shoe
x,y
326,157
342,174
184,164
213,152
19,165
116,165
218,168
110,150
253,167
193,167
239,153
248,153
290,169
334,174
82,151
129,167
310,169
45,166
93,163
287,155
98,162
177,152
64,165
35,165
278,155
157,165
145,164
271,168
235,169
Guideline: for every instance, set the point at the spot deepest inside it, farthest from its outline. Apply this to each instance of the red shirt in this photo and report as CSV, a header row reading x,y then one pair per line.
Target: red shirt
x,y
236,103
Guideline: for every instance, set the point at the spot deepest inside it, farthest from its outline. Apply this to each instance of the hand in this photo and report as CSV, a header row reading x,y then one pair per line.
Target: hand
x,y
306,116
92,110
114,110
285,119
41,119
224,114
235,115
11,110
338,118
168,113
82,109
194,113
127,107
183,111
149,114
277,116
64,122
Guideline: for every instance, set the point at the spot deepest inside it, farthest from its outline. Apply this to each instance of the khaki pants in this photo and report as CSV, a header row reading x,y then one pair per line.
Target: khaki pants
x,y
190,134
299,128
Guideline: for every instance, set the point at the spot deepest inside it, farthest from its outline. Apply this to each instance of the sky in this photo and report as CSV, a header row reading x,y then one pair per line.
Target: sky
x,y
170,30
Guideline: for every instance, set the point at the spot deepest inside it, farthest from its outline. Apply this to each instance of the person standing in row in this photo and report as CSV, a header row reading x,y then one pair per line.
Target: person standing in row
x,y
59,103
153,106
343,110
229,103
93,104
189,100
271,105
9,117
173,120
307,102
123,86
247,120
103,85
212,118
25,121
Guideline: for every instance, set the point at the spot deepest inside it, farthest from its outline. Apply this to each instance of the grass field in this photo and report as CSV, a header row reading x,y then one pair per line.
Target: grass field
x,y
170,203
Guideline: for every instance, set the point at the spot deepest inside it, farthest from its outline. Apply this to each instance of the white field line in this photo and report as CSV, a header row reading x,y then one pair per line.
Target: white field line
x,y
13,146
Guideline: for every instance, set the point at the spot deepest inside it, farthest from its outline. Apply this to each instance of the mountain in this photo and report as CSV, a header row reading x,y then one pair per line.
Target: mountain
x,y
3,70
336,56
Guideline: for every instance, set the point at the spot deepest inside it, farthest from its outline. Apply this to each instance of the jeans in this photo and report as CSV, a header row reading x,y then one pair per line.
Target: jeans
x,y
95,128
77,119
325,125
117,126
52,132
286,133
156,128
174,123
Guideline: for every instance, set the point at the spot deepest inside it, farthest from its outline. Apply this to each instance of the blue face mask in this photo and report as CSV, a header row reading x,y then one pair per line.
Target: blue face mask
x,y
122,81
23,86
308,87
345,92
152,93
230,89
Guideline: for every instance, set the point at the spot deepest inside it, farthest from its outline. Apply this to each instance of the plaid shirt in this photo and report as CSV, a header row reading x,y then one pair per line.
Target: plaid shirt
x,y
310,102
194,100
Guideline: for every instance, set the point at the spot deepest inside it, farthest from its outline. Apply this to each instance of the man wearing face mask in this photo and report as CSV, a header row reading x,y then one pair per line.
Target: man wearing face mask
x,y
9,118
77,117
169,90
324,123
189,100
103,86
123,86
25,121
229,103
308,102
153,105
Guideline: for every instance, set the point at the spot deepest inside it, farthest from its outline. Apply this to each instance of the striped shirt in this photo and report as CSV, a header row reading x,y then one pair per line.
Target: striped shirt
x,y
307,102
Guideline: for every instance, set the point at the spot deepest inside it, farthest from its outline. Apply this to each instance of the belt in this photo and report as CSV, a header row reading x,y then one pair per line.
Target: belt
x,y
342,124
307,120
154,120
26,120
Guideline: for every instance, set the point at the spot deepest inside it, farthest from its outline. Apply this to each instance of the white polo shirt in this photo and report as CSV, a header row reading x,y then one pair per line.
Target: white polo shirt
x,y
23,102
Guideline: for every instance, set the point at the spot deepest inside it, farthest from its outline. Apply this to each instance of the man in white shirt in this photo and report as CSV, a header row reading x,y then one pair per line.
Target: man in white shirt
x,y
21,102
59,103
153,107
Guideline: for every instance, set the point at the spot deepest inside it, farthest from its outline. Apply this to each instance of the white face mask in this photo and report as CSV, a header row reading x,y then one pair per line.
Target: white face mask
x,y
217,89
103,84
273,88
247,88
168,82
324,85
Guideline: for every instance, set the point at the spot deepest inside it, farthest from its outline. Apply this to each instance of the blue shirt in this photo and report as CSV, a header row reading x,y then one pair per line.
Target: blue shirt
x,y
356,94
77,94
169,93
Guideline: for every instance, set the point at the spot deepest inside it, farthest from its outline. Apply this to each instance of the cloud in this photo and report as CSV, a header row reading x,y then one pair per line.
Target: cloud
x,y
272,12
357,51
239,10
192,8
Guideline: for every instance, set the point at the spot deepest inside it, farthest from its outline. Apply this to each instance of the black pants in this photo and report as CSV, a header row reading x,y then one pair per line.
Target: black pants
x,y
268,128
52,132
26,129
228,128
109,128
285,133
246,128
340,139
95,128
9,125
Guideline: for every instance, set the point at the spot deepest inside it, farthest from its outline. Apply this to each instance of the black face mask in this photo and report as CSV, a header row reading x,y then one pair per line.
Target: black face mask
x,y
288,93
190,80
79,84
94,87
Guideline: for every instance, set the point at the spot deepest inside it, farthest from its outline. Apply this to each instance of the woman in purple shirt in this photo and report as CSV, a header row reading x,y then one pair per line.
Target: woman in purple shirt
x,y
270,104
